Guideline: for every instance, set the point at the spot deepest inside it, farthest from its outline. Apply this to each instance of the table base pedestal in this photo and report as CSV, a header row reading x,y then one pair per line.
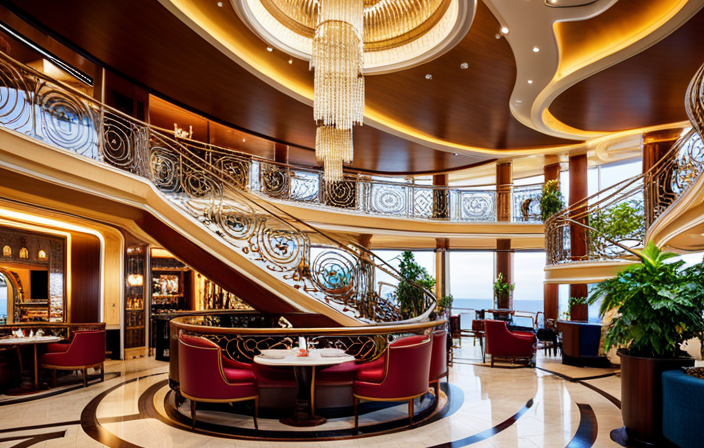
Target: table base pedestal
x,y
303,413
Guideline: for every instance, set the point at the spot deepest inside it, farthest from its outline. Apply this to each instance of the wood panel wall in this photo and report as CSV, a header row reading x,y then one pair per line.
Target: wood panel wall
x,y
85,278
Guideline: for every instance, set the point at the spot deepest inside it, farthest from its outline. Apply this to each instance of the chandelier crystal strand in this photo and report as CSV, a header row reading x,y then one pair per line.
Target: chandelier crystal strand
x,y
338,59
333,147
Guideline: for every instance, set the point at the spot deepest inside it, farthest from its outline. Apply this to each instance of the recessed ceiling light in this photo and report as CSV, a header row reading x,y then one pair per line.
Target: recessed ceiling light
x,y
243,140
428,76
504,30
220,4
269,49
536,49
290,61
518,101
464,66
530,81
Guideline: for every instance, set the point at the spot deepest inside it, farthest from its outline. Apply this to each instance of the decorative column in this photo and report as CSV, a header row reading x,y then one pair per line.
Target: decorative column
x,y
504,184
440,197
442,267
550,290
578,234
656,146
504,264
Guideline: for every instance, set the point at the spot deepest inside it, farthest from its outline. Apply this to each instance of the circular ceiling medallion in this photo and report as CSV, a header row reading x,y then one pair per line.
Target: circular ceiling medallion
x,y
398,34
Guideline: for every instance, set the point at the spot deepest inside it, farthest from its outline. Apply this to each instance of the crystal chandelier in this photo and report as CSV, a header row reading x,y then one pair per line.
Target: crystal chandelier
x,y
344,39
338,60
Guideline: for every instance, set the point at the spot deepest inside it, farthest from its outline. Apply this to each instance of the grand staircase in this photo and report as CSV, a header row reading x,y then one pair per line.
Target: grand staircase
x,y
591,240
192,199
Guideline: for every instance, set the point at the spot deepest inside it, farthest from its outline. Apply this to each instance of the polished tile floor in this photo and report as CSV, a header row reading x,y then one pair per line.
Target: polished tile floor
x,y
550,406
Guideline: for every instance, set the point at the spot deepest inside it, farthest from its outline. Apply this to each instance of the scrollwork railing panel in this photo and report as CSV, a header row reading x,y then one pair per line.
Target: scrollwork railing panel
x,y
212,185
609,224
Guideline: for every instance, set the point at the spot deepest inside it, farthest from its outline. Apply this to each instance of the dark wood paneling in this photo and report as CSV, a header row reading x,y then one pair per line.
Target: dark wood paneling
x,y
85,278
646,90
141,39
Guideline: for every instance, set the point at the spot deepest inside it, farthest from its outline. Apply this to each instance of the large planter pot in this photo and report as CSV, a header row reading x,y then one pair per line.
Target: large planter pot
x,y
641,395
579,313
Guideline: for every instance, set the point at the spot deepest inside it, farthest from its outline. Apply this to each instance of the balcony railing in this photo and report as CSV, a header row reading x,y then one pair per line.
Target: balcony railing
x,y
603,226
370,196
207,184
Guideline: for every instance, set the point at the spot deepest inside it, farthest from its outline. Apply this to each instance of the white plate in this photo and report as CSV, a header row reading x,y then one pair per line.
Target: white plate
x,y
331,352
276,354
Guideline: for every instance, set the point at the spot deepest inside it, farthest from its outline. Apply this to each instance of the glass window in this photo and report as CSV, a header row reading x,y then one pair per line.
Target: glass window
x,y
3,300
528,276
424,258
472,279
529,180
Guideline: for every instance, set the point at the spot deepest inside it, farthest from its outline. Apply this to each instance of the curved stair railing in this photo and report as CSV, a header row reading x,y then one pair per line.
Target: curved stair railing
x,y
606,225
208,187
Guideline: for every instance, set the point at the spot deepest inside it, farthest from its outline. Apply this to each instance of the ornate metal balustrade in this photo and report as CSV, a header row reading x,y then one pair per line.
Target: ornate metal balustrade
x,y
373,196
209,186
602,226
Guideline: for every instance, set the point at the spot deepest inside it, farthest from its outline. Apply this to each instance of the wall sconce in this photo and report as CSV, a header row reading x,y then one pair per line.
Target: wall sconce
x,y
135,280
42,255
24,253
180,133
7,251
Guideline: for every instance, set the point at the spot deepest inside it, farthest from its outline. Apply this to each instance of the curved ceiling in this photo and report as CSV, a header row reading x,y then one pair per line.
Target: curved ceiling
x,y
464,111
645,90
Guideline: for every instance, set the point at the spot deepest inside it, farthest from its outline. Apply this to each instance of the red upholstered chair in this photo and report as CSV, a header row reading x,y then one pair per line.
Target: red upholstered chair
x,y
373,371
501,343
204,378
403,377
227,363
86,349
438,359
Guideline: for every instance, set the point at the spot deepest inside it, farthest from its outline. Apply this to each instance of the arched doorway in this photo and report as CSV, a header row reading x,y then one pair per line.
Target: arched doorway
x,y
11,294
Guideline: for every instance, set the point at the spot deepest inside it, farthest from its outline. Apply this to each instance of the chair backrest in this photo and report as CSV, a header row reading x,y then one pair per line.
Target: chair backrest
x,y
87,347
408,369
200,370
438,359
497,334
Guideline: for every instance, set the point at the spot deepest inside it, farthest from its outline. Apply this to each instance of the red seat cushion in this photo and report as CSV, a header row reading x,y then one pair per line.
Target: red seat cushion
x,y
340,373
373,375
232,364
57,348
272,376
239,375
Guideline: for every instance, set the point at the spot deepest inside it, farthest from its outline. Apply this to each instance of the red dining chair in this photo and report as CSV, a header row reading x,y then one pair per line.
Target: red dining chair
x,y
502,343
227,363
438,360
404,376
85,350
204,378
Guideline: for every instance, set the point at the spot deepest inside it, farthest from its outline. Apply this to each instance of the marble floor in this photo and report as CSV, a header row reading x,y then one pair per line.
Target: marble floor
x,y
552,405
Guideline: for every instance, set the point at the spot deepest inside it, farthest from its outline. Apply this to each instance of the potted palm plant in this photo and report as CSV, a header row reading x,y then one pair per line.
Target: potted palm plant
x,y
502,296
410,297
659,306
551,200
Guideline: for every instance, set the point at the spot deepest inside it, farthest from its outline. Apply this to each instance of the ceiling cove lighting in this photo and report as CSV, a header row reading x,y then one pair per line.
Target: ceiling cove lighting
x,y
343,39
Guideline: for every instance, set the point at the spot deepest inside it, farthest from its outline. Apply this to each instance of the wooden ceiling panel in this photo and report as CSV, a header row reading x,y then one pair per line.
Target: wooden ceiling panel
x,y
144,41
647,89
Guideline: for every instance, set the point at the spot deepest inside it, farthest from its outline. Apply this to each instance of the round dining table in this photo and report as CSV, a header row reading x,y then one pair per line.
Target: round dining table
x,y
304,369
33,341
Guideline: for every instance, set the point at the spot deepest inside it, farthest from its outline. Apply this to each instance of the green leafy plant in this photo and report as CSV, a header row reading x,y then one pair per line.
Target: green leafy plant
x,y
411,298
574,301
659,305
445,303
551,200
502,292
622,222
